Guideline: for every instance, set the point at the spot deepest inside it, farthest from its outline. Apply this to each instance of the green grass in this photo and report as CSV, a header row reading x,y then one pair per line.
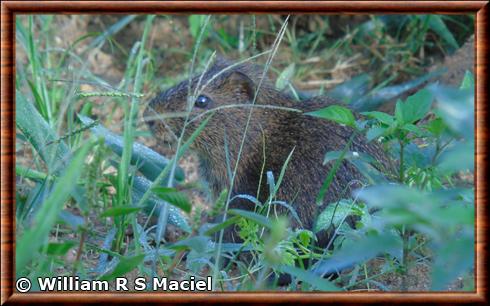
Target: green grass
x,y
89,187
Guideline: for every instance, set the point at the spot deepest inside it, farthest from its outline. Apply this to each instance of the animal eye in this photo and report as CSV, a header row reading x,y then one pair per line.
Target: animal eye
x,y
202,101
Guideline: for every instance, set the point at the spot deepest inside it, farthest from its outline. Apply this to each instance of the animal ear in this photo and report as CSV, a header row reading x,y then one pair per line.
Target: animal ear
x,y
220,63
241,83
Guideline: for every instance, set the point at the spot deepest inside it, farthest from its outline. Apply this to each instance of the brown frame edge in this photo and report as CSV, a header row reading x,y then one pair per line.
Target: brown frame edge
x,y
10,8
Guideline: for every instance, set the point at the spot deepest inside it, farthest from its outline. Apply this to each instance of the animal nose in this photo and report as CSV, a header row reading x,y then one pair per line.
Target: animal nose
x,y
151,124
148,115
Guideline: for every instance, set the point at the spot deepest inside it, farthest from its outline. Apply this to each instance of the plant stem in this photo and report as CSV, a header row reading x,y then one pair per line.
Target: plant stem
x,y
402,170
79,251
405,238
123,184
405,232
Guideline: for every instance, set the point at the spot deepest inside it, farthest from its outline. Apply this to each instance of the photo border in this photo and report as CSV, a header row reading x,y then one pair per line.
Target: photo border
x,y
9,9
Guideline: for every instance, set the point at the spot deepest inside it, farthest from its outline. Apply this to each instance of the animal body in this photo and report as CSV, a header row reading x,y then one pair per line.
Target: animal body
x,y
272,135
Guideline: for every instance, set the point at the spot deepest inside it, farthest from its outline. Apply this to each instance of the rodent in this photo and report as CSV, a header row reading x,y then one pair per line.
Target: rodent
x,y
279,130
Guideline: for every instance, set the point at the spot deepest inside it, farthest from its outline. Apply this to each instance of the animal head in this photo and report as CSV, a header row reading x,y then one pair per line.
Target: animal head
x,y
224,91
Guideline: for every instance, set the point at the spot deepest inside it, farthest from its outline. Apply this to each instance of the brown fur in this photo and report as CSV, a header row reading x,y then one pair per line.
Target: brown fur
x,y
279,130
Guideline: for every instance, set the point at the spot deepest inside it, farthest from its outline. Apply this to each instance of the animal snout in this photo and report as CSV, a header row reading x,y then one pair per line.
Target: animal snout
x,y
151,124
150,115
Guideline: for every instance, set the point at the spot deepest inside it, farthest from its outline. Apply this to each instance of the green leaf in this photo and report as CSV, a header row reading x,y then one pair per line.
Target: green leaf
x,y
174,197
22,171
259,219
456,108
436,127
361,161
127,264
197,243
372,175
380,116
399,112
305,237
286,75
119,211
39,133
437,25
315,281
461,157
196,23
71,219
152,204
394,196
356,251
456,213
39,100
333,155
418,105
468,81
59,249
230,40
415,107
333,214
336,113
222,225
453,259
375,132
412,128
439,215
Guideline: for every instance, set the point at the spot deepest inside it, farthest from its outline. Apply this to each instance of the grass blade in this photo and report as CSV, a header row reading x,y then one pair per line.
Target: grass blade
x,y
39,134
36,236
333,170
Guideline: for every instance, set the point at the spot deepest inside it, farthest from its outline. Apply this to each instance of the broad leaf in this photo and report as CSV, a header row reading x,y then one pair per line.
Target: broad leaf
x,y
174,197
259,219
125,265
336,113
